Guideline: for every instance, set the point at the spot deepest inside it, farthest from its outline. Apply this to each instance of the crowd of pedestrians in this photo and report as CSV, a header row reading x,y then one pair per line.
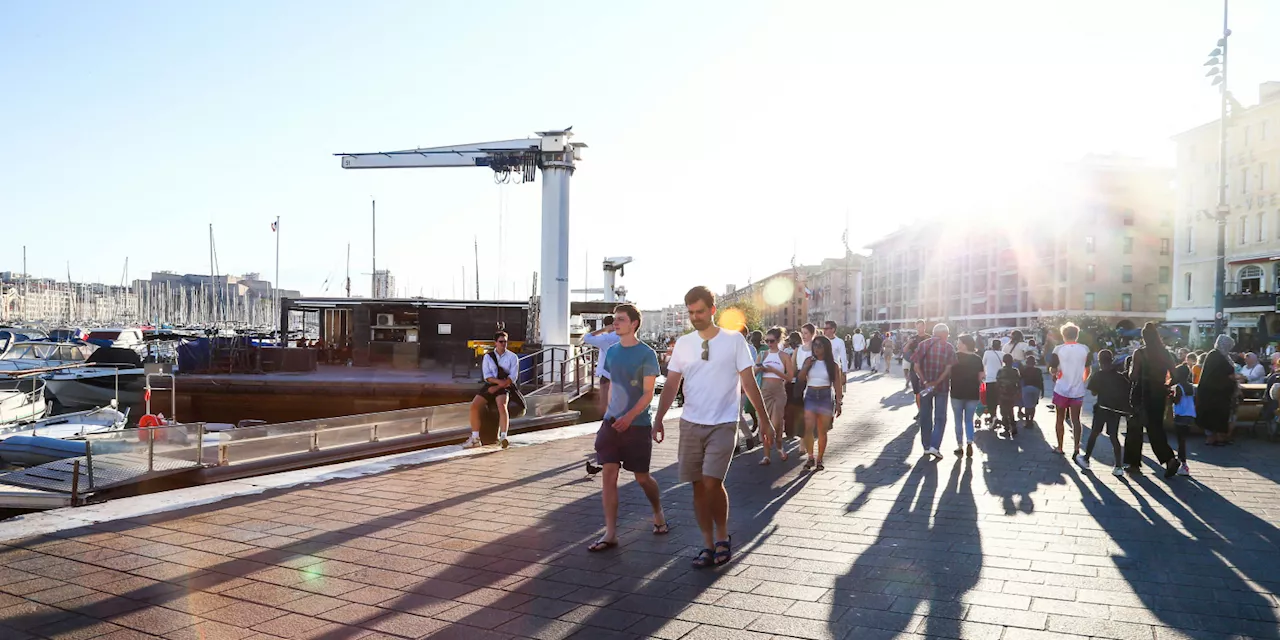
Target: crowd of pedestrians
x,y
794,384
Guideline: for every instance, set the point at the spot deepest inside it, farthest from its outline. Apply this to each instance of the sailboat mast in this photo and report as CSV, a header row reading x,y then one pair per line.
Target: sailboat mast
x,y
348,269
373,293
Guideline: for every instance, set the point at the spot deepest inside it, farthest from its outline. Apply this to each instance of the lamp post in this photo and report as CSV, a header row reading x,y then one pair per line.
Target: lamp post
x,y
1218,62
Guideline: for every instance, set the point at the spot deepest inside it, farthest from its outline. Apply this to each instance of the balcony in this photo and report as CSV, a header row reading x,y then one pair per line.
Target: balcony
x,y
1246,300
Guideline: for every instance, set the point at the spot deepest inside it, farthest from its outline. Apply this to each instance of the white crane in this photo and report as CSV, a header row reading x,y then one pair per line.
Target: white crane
x,y
555,155
613,267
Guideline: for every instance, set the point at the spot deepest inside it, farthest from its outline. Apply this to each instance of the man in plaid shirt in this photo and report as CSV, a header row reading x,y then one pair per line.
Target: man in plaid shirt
x,y
932,362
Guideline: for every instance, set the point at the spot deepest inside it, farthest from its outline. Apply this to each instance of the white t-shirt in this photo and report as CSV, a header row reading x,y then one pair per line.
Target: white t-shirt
x,y
991,363
601,342
1019,351
841,356
859,342
1073,359
802,353
771,359
712,387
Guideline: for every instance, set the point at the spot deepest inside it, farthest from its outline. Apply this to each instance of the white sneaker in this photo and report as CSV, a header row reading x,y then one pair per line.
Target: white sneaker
x,y
1082,461
1118,472
502,440
472,442
1184,470
933,452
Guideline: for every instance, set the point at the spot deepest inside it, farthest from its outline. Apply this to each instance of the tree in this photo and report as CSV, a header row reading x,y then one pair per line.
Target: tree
x,y
740,314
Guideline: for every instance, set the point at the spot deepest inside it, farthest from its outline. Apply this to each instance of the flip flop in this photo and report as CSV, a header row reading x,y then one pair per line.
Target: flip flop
x,y
602,545
661,529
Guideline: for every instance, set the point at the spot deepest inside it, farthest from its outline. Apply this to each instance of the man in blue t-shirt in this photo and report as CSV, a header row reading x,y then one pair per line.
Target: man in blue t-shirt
x,y
625,439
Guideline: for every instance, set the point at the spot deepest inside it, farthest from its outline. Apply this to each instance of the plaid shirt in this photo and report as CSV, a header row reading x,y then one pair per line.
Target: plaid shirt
x,y
931,358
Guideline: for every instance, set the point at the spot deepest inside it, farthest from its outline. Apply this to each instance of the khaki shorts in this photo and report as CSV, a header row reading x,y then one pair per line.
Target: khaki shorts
x,y
706,450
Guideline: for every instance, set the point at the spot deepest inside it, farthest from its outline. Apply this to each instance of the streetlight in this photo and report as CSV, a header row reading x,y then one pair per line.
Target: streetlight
x,y
1218,62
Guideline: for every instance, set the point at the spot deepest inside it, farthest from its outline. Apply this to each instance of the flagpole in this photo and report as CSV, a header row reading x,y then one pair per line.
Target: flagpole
x,y
275,299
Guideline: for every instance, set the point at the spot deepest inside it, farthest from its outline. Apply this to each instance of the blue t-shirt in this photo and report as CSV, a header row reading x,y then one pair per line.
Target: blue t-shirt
x,y
628,367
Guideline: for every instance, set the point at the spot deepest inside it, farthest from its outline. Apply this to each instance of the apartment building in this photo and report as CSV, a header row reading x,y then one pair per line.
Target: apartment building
x,y
1098,243
836,290
1253,222
781,298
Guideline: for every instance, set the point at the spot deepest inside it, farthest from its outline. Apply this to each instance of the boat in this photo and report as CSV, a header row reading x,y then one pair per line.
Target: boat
x,y
22,405
70,425
34,357
109,374
57,437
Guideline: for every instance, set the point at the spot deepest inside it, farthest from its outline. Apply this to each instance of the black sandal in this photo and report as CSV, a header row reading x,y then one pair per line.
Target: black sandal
x,y
661,529
704,559
602,545
722,557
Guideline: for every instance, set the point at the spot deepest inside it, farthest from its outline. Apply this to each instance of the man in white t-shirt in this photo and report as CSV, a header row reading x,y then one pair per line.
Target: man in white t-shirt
x,y
1070,383
716,366
837,346
859,349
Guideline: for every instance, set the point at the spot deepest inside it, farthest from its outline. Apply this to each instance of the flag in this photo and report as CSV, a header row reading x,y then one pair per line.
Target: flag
x,y
275,226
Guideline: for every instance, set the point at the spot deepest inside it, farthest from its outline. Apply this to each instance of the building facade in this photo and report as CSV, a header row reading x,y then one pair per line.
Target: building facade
x,y
836,291
1253,222
1100,244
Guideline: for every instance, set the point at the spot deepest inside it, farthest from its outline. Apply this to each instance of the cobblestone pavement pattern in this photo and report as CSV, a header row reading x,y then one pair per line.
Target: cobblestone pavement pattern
x,y
1015,543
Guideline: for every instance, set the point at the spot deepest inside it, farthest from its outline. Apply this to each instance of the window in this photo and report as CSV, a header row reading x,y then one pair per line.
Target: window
x,y
1246,135
1191,235
1089,273
1186,284
1126,273
1128,217
1164,246
1088,302
1261,217
1162,301
1164,275
1088,244
1126,302
1250,279
1128,245
1241,232
1244,180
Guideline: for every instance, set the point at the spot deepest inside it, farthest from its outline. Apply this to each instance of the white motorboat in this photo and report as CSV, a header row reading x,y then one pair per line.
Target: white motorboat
x,y
18,405
70,425
110,374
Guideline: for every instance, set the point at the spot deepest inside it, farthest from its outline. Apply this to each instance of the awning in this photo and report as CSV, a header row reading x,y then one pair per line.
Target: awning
x,y
1252,260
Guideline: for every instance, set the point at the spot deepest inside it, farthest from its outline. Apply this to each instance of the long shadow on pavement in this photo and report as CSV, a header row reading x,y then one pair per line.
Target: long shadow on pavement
x,y
537,581
1203,575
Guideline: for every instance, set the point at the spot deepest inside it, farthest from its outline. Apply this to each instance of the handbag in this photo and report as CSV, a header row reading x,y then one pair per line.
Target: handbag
x,y
515,400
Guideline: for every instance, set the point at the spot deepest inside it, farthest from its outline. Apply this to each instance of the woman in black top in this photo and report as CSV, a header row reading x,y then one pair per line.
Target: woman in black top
x,y
1151,375
966,377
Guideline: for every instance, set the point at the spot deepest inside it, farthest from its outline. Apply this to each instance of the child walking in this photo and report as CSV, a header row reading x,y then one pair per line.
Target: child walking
x,y
1032,389
1009,386
1184,413
1112,390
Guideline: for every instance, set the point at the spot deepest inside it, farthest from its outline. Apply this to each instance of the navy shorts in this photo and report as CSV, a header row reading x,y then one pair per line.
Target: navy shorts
x,y
632,448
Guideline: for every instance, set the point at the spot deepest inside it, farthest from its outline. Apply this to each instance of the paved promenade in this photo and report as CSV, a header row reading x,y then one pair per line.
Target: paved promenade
x,y
1015,543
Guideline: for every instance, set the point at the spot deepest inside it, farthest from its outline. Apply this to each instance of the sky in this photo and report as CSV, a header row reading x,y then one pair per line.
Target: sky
x,y
723,137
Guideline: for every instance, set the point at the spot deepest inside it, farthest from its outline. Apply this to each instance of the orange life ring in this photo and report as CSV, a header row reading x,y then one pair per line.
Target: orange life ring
x,y
146,426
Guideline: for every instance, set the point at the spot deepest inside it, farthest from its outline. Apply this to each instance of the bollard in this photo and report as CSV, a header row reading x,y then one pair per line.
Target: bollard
x,y
424,425
373,433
